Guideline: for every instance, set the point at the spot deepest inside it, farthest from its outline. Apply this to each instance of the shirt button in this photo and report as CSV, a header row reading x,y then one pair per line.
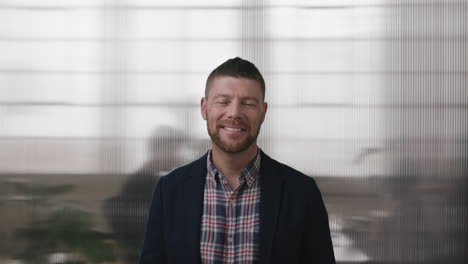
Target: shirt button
x,y
230,239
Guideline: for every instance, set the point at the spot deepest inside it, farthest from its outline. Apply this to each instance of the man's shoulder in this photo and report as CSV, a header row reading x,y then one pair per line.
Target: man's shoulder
x,y
296,183
291,175
297,176
179,174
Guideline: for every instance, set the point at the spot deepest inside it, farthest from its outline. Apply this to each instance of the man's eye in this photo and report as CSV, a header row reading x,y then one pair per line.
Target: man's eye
x,y
249,104
222,102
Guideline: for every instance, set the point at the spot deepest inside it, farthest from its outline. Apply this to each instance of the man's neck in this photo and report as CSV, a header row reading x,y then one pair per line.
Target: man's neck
x,y
230,164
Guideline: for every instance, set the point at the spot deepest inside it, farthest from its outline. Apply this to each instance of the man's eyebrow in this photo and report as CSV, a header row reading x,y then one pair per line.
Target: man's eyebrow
x,y
242,98
221,95
251,98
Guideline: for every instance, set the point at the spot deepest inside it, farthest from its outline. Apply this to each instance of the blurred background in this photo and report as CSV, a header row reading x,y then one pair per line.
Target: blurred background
x,y
99,98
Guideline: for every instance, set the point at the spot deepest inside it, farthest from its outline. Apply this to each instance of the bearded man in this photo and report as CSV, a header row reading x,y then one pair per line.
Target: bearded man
x,y
236,204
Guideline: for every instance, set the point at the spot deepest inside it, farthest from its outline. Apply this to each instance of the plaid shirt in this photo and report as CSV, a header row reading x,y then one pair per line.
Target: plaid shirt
x,y
230,225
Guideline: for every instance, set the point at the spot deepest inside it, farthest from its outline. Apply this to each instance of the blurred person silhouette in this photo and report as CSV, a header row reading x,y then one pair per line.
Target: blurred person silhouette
x,y
126,213
401,219
236,204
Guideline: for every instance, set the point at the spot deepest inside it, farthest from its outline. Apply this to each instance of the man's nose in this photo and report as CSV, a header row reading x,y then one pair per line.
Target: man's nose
x,y
234,110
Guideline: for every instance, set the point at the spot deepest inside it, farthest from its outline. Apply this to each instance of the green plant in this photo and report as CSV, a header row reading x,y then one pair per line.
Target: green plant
x,y
67,230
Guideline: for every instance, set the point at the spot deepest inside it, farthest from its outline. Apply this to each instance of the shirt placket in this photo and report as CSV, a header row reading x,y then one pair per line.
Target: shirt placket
x,y
225,205
231,220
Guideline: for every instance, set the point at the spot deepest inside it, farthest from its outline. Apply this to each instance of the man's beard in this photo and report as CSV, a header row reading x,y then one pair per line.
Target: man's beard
x,y
231,148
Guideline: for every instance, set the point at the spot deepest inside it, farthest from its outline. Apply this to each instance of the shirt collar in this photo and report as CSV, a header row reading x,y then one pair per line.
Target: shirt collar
x,y
248,175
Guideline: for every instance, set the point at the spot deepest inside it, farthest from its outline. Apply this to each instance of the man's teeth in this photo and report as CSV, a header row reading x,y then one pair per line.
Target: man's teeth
x,y
233,129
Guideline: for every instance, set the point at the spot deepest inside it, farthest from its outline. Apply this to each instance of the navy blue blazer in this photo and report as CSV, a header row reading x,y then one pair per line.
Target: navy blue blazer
x,y
293,219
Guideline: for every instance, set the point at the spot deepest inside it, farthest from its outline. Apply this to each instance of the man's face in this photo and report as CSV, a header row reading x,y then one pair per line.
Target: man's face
x,y
234,111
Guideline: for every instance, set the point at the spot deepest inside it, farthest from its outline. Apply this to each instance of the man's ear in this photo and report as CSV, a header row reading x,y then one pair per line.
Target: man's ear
x,y
203,107
265,108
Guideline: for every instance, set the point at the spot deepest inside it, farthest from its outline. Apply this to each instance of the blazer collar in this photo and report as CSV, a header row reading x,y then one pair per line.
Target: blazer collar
x,y
271,183
192,194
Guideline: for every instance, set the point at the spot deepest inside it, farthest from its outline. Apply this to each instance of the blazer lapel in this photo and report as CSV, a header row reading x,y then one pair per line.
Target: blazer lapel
x,y
271,184
192,193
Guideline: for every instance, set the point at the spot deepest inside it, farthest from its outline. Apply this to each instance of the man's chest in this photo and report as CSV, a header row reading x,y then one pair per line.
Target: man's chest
x,y
230,224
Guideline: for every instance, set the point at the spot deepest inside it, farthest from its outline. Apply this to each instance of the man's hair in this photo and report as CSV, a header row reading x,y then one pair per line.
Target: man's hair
x,y
238,68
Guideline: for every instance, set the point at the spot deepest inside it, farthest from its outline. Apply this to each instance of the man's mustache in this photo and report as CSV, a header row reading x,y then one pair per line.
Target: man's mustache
x,y
232,123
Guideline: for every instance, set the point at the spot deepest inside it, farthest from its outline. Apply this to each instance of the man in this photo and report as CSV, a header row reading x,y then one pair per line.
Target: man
x,y
235,204
126,212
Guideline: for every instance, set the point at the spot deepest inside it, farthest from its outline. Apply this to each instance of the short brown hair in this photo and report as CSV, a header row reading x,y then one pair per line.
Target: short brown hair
x,y
238,68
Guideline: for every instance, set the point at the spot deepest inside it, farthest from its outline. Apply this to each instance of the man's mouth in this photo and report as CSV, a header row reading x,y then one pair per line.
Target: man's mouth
x,y
233,129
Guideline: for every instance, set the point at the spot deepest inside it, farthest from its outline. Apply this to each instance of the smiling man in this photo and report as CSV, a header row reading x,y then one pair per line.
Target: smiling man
x,y
235,204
